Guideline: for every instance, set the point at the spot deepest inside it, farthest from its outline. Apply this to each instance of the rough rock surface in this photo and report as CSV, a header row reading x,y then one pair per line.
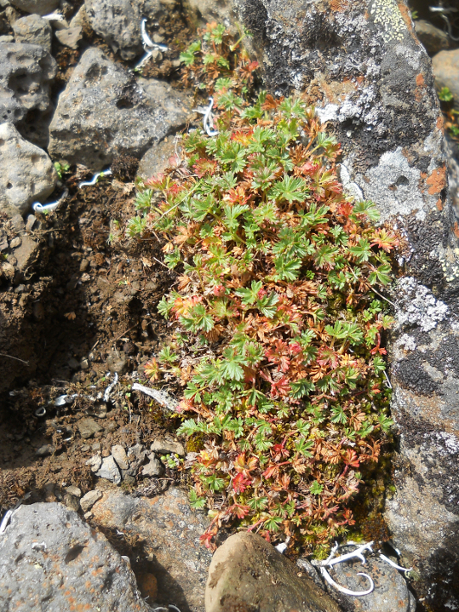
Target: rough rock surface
x,y
247,573
446,70
61,564
156,159
105,111
27,172
169,530
390,593
25,74
40,7
34,30
362,66
118,22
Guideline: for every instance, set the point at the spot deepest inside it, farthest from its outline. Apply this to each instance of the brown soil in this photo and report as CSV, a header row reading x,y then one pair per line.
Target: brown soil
x,y
87,308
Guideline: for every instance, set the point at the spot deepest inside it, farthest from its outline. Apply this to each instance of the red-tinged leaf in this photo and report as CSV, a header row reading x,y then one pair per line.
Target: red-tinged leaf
x,y
345,209
206,539
239,510
350,458
270,471
280,387
205,166
245,466
240,483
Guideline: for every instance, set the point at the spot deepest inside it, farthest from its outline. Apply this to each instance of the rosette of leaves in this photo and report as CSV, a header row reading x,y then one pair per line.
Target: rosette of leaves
x,y
277,317
218,58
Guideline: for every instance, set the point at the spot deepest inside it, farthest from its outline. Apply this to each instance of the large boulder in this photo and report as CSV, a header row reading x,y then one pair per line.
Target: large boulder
x,y
247,573
28,174
26,72
362,66
51,560
105,111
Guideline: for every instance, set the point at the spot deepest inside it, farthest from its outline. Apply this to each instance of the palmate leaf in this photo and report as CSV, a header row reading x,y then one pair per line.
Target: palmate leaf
x,y
380,275
290,189
287,269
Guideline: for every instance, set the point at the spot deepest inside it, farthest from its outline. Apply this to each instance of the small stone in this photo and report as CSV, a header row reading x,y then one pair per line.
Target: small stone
x,y
70,37
96,446
85,448
119,454
117,362
153,468
17,223
84,364
31,220
88,427
26,253
109,470
84,265
16,242
73,363
95,462
46,449
168,446
88,500
74,491
71,502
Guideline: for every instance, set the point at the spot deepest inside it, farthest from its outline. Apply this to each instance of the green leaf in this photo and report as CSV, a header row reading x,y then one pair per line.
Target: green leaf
x,y
362,251
286,269
290,188
273,523
196,502
316,488
304,446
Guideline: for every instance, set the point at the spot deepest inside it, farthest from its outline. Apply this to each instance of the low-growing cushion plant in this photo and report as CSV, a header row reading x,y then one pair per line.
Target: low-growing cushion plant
x,y
277,318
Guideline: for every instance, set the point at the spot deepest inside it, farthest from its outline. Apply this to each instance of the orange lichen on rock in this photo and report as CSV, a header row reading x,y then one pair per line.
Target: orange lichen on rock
x,y
437,180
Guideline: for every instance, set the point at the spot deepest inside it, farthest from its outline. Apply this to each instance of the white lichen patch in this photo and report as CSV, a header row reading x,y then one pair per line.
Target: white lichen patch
x,y
416,305
387,14
407,342
394,186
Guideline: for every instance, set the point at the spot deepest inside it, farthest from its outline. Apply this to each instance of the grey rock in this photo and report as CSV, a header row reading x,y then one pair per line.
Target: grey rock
x,y
109,470
119,455
31,221
156,159
154,467
170,530
88,500
52,560
117,362
390,594
16,242
70,37
433,39
118,22
6,39
88,427
71,502
39,7
168,446
95,462
26,72
446,70
46,449
247,573
105,111
28,174
34,30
